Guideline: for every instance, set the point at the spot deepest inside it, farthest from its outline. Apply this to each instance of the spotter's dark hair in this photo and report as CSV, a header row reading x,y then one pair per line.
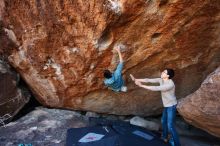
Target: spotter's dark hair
x,y
170,72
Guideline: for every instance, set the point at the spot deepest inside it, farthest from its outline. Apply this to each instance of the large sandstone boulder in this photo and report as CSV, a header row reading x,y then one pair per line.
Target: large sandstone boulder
x,y
202,108
65,45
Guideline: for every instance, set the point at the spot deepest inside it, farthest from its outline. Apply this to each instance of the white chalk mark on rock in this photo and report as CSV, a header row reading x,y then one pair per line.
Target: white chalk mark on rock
x,y
74,50
115,6
57,67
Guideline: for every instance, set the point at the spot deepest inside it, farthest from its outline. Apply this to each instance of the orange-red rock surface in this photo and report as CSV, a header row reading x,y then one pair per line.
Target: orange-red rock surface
x,y
63,47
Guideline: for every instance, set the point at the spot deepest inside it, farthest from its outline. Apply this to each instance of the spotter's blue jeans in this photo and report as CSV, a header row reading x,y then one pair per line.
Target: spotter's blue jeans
x,y
168,125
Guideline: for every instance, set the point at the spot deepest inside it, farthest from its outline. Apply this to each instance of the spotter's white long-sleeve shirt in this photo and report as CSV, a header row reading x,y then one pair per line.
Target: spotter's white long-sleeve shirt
x,y
167,88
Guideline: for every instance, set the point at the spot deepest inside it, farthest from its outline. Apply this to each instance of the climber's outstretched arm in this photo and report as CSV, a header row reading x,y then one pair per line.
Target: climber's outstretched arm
x,y
119,53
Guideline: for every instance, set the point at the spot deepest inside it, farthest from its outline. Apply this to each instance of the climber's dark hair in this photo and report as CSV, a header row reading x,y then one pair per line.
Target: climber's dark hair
x,y
170,72
107,74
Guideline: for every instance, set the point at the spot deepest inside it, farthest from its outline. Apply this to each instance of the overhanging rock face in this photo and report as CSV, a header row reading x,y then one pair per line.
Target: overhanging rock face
x,y
65,45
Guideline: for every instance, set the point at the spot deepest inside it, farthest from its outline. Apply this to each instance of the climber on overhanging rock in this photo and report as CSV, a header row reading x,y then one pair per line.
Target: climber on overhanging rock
x,y
115,80
167,88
